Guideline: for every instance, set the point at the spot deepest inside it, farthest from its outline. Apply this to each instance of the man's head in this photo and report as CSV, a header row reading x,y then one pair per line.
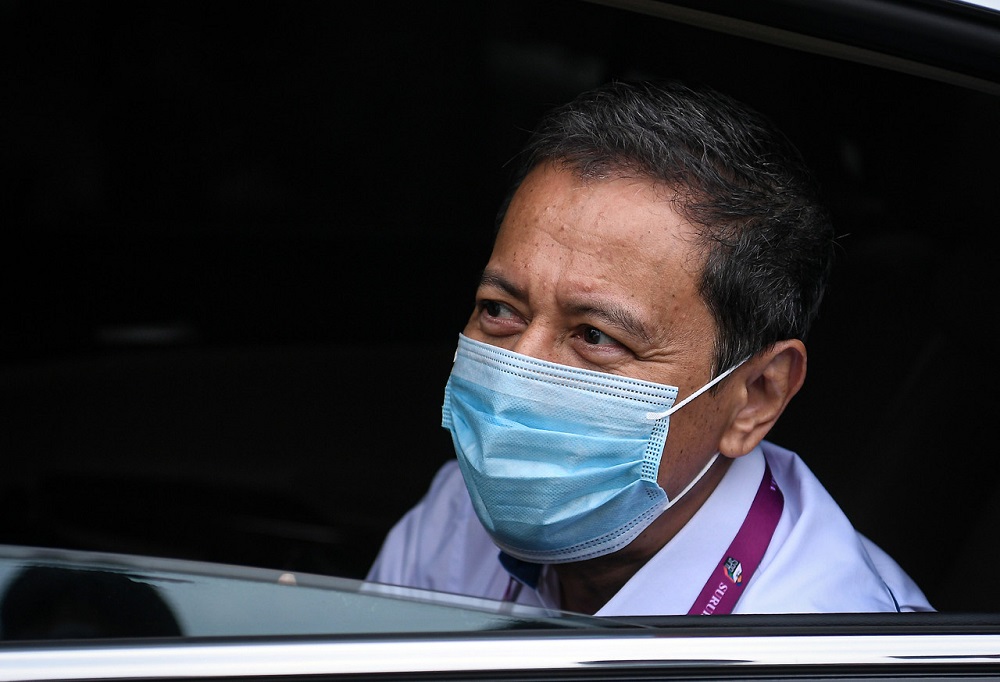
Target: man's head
x,y
766,242
663,233
658,234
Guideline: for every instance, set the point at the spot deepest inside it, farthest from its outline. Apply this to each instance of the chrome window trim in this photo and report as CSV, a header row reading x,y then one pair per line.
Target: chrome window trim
x,y
222,659
718,21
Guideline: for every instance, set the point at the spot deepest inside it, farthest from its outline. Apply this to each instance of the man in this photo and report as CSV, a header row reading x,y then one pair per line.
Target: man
x,y
637,332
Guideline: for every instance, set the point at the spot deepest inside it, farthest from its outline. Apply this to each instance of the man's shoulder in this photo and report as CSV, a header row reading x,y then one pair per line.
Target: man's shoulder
x,y
447,482
818,562
445,504
439,543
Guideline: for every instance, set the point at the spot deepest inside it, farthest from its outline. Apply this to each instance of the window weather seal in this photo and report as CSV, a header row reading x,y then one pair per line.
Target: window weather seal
x,y
944,41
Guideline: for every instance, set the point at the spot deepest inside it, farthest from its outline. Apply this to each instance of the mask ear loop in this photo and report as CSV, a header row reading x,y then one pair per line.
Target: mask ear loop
x,y
666,413
660,415
673,500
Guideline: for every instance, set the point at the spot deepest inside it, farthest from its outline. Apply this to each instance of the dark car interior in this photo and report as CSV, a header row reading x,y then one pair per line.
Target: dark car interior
x,y
239,240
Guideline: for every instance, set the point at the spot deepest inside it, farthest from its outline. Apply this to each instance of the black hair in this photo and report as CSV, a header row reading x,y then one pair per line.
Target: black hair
x,y
767,241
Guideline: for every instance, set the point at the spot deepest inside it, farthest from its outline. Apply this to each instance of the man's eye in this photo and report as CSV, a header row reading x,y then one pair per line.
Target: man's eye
x,y
494,309
596,337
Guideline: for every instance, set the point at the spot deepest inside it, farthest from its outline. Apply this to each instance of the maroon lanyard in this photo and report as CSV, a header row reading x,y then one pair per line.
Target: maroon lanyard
x,y
730,577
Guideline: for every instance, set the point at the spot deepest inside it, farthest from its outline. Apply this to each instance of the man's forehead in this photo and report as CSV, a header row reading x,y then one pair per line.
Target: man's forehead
x,y
550,186
601,241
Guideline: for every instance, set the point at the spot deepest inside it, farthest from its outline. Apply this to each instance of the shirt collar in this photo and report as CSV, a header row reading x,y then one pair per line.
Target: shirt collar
x,y
524,572
671,580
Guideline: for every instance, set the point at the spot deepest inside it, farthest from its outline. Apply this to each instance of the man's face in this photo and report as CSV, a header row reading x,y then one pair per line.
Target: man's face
x,y
602,275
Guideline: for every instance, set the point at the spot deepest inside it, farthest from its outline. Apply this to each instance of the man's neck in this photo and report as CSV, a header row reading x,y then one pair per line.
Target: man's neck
x,y
586,586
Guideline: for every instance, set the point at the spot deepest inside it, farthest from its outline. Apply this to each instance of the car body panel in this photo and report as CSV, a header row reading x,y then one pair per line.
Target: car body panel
x,y
240,622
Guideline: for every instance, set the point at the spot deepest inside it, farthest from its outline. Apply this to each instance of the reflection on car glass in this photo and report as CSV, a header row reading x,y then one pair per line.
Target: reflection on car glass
x,y
48,602
58,594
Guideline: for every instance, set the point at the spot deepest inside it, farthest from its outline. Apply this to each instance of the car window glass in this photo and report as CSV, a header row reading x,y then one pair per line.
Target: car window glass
x,y
63,595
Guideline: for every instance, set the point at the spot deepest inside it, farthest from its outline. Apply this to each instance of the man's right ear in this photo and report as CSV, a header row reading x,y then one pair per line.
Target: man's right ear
x,y
769,381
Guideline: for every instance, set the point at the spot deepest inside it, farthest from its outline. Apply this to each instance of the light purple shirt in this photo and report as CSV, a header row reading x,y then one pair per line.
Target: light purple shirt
x,y
816,561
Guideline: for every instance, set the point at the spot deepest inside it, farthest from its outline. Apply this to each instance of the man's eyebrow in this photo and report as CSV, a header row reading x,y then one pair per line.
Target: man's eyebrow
x,y
613,315
492,279
616,316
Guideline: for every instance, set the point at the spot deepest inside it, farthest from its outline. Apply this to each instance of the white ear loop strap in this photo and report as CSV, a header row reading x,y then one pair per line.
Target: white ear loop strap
x,y
710,384
701,474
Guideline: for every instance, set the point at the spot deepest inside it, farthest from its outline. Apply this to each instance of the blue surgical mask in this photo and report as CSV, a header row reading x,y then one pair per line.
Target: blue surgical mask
x,y
561,463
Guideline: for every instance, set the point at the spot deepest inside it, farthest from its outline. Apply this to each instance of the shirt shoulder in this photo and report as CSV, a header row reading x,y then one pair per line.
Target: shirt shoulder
x,y
906,593
817,562
439,544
